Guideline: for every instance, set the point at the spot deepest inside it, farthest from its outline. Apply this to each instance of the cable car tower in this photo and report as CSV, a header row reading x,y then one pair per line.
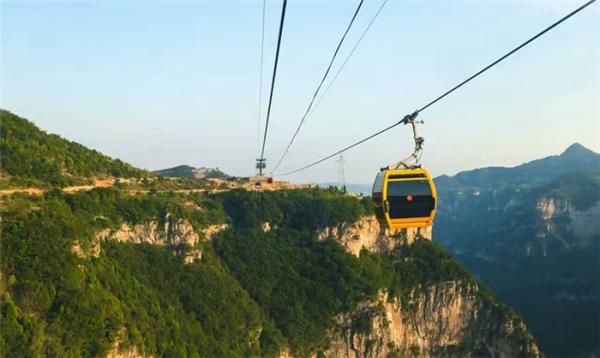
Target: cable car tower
x,y
261,163
341,173
260,180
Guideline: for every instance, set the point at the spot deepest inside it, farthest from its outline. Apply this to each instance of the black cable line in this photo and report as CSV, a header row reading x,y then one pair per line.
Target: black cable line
x,y
346,60
262,154
260,80
414,115
343,150
508,54
337,49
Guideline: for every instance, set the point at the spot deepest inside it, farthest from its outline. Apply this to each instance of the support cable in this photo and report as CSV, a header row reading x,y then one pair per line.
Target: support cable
x,y
362,36
262,153
260,80
411,117
312,101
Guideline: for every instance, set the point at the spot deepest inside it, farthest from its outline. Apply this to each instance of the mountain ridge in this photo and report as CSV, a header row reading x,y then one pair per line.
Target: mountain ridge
x,y
187,171
575,157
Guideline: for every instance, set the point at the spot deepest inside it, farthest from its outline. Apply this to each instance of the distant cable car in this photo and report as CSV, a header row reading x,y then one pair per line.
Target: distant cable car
x,y
404,196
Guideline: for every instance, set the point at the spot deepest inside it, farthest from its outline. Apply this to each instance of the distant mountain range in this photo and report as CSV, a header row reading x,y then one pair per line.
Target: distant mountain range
x,y
534,173
186,171
575,157
532,233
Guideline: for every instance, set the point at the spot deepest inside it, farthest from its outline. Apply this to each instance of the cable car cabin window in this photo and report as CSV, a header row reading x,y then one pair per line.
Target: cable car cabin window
x,y
410,199
377,195
378,185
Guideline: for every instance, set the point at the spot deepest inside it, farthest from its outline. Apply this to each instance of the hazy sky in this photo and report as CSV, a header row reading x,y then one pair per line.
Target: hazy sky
x,y
159,84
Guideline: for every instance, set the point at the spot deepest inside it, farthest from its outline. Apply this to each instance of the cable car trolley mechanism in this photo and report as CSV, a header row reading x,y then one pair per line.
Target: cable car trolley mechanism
x,y
404,194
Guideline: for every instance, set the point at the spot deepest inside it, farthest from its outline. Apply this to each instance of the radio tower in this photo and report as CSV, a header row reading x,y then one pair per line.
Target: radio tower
x,y
341,173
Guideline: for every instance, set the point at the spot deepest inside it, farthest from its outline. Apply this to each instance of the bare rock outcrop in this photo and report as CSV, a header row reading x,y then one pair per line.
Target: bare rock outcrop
x,y
212,230
132,352
170,233
176,234
444,320
120,350
583,224
367,233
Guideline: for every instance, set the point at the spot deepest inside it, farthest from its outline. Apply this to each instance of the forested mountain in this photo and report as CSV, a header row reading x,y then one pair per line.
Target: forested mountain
x,y
84,272
186,171
532,234
531,174
290,273
32,157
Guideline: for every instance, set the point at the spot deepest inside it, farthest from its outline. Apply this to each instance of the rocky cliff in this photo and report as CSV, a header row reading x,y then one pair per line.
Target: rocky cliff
x,y
560,220
178,235
452,318
446,319
366,233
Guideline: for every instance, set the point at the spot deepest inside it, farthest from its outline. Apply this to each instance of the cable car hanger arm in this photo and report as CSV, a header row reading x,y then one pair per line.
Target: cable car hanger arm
x,y
412,161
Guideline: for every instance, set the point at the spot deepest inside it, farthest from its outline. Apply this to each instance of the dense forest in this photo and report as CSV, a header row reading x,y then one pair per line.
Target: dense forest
x,y
32,157
255,290
252,293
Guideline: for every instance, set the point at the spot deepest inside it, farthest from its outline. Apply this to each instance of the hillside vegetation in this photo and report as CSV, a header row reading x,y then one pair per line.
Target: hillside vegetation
x,y
32,157
262,282
253,293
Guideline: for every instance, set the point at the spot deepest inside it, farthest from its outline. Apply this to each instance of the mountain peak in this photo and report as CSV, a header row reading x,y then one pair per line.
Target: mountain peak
x,y
577,150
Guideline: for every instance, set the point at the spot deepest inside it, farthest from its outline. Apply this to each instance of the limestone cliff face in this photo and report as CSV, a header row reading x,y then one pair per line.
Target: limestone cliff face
x,y
558,216
121,350
445,319
172,233
366,233
118,352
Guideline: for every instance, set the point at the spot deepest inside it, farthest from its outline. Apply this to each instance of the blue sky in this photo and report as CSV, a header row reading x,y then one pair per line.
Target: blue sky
x,y
165,83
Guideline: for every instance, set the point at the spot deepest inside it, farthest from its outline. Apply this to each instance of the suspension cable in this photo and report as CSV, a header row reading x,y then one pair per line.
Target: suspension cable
x,y
260,80
284,5
337,49
412,116
362,36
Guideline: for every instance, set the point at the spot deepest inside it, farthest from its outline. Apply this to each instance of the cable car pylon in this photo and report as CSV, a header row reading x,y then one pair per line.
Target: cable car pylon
x,y
341,173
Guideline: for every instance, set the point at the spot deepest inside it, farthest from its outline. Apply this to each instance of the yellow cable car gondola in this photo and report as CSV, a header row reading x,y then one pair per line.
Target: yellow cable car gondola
x,y
404,195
